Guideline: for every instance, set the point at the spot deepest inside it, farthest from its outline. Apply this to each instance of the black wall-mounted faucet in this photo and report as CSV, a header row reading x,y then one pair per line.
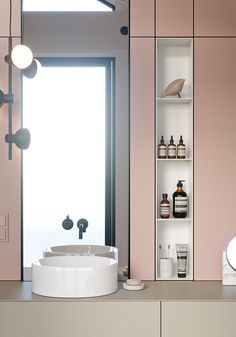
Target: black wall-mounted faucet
x,y
82,224
67,223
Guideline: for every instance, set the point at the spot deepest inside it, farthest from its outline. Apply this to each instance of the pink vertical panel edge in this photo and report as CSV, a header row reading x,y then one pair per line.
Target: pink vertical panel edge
x,y
5,17
142,162
142,15
215,160
174,18
215,17
10,181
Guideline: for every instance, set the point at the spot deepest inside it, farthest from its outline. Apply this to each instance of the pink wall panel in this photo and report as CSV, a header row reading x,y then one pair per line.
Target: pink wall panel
x,y
215,160
5,17
142,15
10,244
174,18
215,17
142,158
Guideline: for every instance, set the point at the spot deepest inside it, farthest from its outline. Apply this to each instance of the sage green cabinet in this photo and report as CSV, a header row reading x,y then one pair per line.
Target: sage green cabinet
x,y
84,319
198,319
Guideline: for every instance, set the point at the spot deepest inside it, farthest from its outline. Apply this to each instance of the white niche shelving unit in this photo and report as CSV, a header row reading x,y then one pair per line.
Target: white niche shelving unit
x,y
174,116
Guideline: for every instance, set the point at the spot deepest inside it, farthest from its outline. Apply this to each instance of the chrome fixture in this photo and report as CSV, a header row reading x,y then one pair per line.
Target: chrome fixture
x,y
82,224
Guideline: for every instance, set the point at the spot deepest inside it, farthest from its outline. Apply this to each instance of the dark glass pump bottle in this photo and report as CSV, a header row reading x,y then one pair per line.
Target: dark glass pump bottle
x,y
180,201
181,149
165,207
162,149
171,149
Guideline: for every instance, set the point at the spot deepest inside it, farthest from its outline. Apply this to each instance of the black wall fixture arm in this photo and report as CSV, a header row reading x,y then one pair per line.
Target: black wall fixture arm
x,y
10,93
5,98
22,137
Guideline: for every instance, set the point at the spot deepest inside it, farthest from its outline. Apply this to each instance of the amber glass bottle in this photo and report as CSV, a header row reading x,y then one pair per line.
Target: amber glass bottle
x,y
165,207
181,151
162,149
171,149
180,202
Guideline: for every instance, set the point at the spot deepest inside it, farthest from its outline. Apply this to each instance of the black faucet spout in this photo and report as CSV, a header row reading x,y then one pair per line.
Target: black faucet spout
x,y
81,230
82,224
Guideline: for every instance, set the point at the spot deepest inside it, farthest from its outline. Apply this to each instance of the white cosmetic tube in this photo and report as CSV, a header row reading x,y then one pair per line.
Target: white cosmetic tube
x,y
182,259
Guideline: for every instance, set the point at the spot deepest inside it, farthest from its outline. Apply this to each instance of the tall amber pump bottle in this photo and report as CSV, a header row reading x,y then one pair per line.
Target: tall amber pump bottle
x,y
180,201
162,149
181,150
171,149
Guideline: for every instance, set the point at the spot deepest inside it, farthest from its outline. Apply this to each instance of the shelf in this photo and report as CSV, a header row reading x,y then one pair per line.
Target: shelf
x,y
188,278
174,219
174,100
174,42
186,159
174,116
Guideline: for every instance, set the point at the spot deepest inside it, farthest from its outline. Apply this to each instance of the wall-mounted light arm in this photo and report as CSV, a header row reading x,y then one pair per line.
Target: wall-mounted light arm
x,y
10,93
22,61
22,137
21,57
5,98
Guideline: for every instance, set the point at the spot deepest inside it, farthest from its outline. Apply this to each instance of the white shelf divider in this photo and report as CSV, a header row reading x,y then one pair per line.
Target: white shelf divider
x,y
175,160
174,100
187,278
175,219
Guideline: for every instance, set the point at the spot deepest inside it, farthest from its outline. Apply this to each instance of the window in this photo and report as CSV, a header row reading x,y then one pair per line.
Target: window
x,y
68,169
67,5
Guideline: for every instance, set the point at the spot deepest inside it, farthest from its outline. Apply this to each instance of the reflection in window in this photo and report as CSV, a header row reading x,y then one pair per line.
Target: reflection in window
x,y
66,5
64,168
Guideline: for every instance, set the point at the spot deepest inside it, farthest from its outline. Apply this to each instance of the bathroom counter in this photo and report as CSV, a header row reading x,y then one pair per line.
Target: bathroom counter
x,y
162,309
15,291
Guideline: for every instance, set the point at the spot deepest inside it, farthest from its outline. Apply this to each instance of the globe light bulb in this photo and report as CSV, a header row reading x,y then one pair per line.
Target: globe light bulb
x,y
21,56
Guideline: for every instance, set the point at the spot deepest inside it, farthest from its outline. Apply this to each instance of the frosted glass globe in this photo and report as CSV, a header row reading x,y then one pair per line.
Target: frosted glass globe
x,y
33,69
21,56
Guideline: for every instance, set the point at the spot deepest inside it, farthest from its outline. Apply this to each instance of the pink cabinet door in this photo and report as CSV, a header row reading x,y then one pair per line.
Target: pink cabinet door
x,y
214,152
215,17
142,158
174,18
5,17
142,16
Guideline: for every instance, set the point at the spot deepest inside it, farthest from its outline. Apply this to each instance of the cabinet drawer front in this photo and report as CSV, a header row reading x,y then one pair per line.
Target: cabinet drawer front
x,y
198,319
84,319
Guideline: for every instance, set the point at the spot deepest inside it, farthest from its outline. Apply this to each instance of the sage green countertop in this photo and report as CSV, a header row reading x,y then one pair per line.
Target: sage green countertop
x,y
16,291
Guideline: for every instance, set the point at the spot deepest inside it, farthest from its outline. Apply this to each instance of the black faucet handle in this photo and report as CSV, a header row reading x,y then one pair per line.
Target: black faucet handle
x,y
67,223
83,222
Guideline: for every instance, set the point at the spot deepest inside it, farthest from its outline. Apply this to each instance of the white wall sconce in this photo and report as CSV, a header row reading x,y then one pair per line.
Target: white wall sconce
x,y
22,58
